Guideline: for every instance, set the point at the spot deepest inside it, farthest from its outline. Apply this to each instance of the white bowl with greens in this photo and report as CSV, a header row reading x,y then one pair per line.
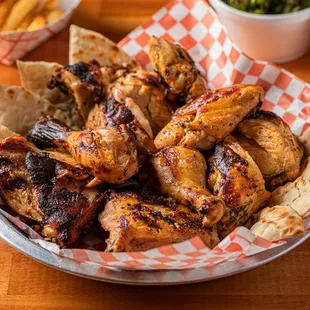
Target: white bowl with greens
x,y
272,30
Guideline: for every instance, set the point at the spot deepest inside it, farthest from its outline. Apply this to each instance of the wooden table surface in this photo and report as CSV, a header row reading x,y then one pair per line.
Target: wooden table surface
x,y
26,284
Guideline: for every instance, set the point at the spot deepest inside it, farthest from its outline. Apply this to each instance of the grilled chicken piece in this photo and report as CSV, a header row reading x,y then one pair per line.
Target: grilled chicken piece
x,y
181,174
47,190
210,118
282,150
85,81
176,68
145,89
142,221
235,178
108,154
114,114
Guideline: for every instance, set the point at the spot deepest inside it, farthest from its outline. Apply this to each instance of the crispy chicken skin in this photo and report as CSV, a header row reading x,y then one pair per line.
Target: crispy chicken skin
x,y
139,221
283,151
145,89
181,174
210,118
176,68
235,178
46,190
108,154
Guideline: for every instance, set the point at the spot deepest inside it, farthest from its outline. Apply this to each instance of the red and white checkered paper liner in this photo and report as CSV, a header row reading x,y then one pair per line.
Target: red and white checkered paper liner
x,y
194,25
16,44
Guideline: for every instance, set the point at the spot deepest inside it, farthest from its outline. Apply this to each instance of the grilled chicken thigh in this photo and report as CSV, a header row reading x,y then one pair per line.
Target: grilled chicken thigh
x,y
282,150
210,118
108,154
49,191
235,178
181,174
145,89
139,221
176,68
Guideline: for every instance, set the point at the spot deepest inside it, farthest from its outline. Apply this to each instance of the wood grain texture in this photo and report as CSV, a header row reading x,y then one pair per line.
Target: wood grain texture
x,y
26,284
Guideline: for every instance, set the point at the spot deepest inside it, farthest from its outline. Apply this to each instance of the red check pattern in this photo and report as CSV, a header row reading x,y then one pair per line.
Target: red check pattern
x,y
194,25
15,45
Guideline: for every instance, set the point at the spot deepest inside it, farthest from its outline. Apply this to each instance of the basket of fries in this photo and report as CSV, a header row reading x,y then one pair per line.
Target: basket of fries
x,y
25,24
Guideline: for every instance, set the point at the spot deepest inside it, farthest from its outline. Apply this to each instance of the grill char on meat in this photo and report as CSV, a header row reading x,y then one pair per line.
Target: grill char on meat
x,y
51,192
139,220
108,154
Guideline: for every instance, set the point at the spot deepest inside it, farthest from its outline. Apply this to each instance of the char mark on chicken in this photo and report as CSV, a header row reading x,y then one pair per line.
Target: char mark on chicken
x,y
51,192
108,154
140,220
235,178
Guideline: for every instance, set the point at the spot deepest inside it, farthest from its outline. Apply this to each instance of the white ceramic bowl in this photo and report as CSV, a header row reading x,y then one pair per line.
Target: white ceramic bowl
x,y
277,38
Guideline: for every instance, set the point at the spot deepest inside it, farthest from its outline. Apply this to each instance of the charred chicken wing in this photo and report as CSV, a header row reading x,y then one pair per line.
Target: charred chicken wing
x,y
108,154
49,191
176,68
142,221
210,118
235,178
181,174
271,136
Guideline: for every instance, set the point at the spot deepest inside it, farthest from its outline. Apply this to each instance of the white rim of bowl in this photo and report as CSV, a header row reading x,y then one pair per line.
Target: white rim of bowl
x,y
230,9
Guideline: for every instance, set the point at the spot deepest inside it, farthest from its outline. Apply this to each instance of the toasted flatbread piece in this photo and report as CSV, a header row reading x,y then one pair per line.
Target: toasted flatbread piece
x,y
20,109
35,75
6,132
277,223
294,194
305,139
86,45
305,169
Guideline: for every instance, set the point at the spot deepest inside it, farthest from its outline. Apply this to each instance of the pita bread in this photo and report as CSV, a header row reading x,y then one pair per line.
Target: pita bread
x,y
305,139
305,169
20,109
5,132
35,76
86,45
277,223
294,194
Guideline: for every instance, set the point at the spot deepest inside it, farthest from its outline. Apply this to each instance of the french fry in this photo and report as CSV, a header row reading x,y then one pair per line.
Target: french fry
x,y
19,11
54,15
38,22
5,7
25,22
50,4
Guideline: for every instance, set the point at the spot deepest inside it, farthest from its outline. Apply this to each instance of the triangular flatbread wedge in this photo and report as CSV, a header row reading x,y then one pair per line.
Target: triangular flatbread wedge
x,y
35,75
305,139
295,194
6,132
278,222
86,45
20,109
